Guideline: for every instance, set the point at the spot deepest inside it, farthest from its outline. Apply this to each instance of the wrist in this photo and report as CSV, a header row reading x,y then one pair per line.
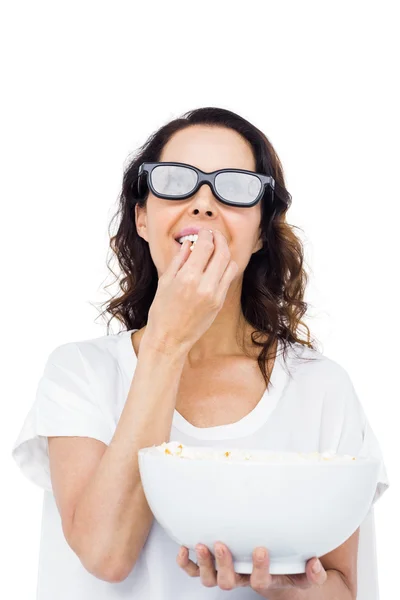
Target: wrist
x,y
333,588
163,349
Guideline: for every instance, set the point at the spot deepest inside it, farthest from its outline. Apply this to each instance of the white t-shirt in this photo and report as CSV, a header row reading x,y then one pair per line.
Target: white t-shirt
x,y
312,406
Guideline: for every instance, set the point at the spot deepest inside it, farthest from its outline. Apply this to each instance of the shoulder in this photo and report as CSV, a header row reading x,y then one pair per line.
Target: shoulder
x,y
312,365
323,385
99,356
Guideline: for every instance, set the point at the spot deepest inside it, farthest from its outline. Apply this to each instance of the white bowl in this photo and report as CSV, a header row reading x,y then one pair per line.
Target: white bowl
x,y
296,505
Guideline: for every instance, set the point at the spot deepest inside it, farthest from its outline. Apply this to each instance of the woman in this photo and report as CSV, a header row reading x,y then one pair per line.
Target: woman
x,y
211,355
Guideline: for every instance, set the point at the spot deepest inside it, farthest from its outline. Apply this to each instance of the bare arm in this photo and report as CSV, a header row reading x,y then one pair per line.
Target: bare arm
x,y
105,515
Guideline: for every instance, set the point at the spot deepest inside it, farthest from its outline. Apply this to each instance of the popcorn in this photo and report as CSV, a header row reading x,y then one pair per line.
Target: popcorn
x,y
177,449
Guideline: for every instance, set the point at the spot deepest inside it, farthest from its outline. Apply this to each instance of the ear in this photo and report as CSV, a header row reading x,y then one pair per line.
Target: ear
x,y
141,221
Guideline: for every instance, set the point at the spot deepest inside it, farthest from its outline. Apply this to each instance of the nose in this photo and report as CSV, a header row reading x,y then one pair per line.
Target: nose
x,y
204,201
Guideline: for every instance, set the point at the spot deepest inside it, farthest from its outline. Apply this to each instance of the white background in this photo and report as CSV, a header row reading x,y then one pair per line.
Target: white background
x,y
86,83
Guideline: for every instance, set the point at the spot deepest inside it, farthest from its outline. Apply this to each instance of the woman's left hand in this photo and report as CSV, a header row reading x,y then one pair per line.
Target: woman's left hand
x,y
260,580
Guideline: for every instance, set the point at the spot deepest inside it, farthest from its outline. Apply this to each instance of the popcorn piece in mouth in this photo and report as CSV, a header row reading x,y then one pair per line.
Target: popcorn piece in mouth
x,y
193,237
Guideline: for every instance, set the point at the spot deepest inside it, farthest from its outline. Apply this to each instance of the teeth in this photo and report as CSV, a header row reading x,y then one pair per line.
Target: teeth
x,y
192,237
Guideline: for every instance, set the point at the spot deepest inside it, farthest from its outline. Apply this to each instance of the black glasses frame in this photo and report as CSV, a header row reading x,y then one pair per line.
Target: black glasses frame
x,y
208,178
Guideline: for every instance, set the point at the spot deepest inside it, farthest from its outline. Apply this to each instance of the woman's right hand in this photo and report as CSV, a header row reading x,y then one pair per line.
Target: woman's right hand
x,y
190,293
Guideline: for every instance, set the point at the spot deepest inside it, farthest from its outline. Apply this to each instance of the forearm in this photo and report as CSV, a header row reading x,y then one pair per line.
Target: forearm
x,y
334,588
112,518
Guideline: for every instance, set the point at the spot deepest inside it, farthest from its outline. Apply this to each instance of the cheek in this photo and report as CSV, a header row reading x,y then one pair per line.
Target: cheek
x,y
241,252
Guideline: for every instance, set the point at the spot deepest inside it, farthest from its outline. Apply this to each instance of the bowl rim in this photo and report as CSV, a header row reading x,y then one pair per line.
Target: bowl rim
x,y
153,452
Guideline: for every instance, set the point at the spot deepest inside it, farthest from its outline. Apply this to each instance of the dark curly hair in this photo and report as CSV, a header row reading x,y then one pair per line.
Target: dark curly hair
x,y
274,280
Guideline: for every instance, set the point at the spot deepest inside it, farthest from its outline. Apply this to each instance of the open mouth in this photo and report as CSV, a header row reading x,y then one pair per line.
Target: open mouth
x,y
193,239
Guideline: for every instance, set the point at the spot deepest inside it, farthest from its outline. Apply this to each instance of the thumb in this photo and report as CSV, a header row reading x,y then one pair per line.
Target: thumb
x,y
318,573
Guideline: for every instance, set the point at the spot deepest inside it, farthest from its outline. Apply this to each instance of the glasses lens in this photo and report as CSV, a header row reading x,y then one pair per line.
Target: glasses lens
x,y
238,187
170,180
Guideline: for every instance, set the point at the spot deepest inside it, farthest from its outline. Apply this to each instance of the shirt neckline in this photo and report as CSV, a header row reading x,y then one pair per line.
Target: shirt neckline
x,y
246,425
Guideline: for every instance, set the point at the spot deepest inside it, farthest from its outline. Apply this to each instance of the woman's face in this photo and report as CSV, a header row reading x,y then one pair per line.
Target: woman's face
x,y
209,149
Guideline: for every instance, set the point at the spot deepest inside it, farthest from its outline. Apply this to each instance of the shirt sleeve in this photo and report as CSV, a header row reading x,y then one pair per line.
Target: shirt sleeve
x,y
65,405
357,436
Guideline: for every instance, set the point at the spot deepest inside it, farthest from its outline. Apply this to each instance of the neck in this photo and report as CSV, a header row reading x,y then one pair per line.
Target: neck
x,y
229,334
